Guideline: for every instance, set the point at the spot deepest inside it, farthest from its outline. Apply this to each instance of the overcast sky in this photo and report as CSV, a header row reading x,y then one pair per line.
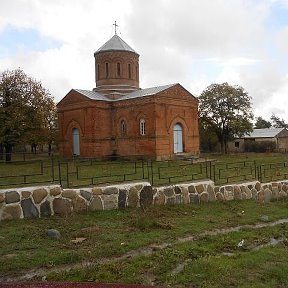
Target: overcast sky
x,y
191,42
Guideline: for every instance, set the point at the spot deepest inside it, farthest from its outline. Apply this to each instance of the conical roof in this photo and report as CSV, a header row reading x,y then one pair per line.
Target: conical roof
x,y
115,44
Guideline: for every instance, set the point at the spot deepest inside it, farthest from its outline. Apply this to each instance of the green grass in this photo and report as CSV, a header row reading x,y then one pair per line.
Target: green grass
x,y
83,172
110,234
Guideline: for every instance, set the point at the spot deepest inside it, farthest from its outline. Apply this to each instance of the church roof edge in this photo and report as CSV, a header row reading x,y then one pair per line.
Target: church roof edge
x,y
93,95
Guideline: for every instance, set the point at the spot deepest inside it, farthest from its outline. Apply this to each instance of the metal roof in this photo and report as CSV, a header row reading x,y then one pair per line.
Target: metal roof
x,y
115,44
146,92
92,95
135,94
264,133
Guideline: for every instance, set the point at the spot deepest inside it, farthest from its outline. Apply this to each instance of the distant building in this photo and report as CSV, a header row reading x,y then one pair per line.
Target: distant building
x,y
119,118
279,136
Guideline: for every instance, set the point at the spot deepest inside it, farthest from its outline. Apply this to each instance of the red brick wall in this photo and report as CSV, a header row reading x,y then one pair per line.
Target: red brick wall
x,y
99,124
112,58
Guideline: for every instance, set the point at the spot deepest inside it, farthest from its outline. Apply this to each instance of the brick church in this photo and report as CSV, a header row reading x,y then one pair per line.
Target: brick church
x,y
119,118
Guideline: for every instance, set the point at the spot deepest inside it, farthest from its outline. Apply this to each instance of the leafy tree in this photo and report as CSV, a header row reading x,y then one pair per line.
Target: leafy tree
x,y
227,111
277,122
262,123
25,110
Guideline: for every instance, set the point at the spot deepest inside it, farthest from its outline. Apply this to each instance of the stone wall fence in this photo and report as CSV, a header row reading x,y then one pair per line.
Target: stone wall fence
x,y
45,201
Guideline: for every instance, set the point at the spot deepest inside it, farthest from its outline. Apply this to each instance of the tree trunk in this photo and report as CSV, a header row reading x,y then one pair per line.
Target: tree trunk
x,y
1,152
8,152
49,149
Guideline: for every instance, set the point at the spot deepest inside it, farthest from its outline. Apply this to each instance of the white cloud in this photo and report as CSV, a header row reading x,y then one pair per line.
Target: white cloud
x,y
192,42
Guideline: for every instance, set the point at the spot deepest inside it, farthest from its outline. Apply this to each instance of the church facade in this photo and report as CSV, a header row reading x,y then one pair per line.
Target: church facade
x,y
119,118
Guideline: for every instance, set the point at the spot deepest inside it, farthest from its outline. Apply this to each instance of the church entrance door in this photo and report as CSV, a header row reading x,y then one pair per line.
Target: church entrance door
x,y
178,138
76,142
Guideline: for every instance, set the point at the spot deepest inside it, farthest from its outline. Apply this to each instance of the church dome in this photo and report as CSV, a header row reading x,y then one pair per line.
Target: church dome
x,y
116,68
116,43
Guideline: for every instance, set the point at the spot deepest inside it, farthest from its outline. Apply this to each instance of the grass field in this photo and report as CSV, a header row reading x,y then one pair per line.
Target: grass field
x,y
169,246
222,169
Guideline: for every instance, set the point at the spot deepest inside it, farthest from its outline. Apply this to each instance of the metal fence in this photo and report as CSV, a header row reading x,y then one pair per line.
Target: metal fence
x,y
87,172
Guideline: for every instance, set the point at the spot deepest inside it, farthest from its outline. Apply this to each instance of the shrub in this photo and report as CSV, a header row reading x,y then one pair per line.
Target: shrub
x,y
260,147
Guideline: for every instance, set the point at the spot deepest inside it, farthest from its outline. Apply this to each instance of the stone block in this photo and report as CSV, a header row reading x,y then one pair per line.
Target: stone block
x,y
244,196
285,187
79,204
194,198
146,196
204,197
12,197
29,209
229,188
237,193
122,198
211,193
68,193
170,200
139,186
177,190
62,206
228,195
133,197
178,199
185,195
200,188
192,189
159,198
169,191
254,193
110,201
55,191
248,193
39,194
260,195
110,191
86,194
45,209
219,196
97,191
275,192
282,194
26,194
258,186
2,197
13,211
96,203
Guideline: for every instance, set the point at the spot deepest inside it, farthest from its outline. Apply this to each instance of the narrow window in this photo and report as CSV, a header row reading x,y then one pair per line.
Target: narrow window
x,y
123,127
118,70
107,69
237,144
142,127
98,71
129,71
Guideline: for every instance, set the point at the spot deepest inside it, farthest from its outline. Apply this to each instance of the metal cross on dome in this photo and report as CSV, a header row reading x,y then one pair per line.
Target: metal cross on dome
x,y
115,24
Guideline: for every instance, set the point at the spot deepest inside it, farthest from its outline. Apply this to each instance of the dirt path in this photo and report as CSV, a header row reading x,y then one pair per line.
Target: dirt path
x,y
145,251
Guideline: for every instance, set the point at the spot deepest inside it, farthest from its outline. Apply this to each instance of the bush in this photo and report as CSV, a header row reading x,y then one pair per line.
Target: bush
x,y
261,147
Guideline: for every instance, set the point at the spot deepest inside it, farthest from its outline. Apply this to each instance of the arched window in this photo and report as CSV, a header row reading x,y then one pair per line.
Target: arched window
x,y
123,129
178,138
107,70
129,71
75,142
137,73
142,127
118,70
